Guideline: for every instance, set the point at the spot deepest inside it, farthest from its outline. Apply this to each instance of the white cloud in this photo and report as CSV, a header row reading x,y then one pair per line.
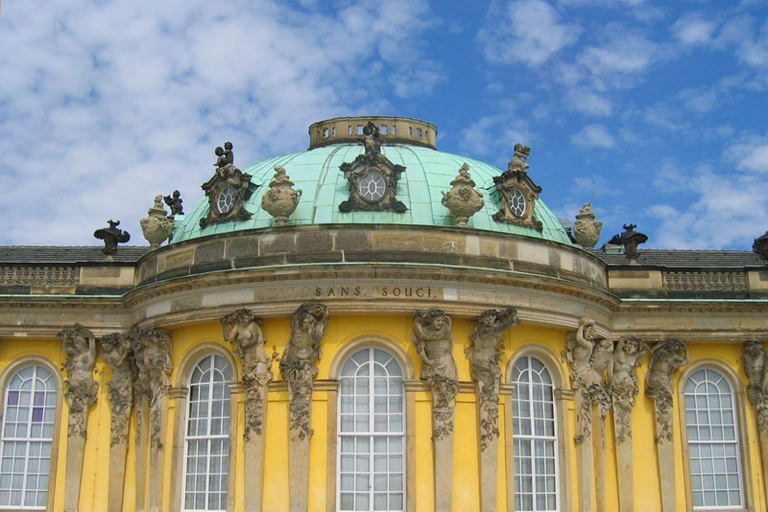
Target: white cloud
x,y
750,154
493,137
694,28
626,52
527,31
105,105
593,136
589,102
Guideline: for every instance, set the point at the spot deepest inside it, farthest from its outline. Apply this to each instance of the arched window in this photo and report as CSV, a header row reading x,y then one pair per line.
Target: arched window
x,y
206,439
535,437
27,438
713,441
371,430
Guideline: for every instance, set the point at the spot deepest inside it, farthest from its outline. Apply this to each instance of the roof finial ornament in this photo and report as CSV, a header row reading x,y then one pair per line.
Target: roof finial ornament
x,y
630,239
586,230
112,236
371,139
760,247
519,160
463,200
157,227
281,199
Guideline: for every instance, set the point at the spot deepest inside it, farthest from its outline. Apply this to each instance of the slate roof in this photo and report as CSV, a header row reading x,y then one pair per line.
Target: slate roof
x,y
674,258
24,254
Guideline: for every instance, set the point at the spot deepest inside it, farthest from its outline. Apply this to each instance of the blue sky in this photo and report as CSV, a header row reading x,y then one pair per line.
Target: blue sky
x,y
653,110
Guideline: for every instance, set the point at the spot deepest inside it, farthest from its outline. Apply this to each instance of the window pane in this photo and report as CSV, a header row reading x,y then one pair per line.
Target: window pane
x,y
716,479
207,435
372,400
533,411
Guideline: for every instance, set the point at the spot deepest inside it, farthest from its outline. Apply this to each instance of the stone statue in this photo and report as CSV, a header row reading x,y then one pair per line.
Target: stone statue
x,y
153,358
622,381
371,139
241,328
586,230
118,355
82,389
519,162
463,200
667,357
755,359
578,352
225,156
157,227
174,202
281,200
111,237
434,342
484,353
298,365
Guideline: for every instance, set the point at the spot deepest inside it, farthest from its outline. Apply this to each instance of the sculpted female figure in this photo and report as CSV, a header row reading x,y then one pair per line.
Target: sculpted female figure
x,y
434,342
80,346
622,381
484,350
119,356
578,351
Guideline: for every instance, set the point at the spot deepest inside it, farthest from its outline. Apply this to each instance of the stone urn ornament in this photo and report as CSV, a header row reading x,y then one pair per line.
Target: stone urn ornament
x,y
586,230
463,200
157,227
281,200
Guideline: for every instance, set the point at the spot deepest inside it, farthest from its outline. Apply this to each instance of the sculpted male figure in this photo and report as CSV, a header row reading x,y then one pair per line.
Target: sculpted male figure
x,y
434,342
755,359
119,356
484,350
578,351
80,346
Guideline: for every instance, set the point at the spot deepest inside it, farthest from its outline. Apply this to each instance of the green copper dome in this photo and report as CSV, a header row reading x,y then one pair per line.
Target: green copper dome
x,y
316,173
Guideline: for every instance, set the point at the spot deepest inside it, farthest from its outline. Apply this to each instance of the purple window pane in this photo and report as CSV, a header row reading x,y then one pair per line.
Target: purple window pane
x,y
39,397
37,414
13,398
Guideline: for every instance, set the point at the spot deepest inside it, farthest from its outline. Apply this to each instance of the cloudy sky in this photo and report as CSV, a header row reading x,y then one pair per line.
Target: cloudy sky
x,y
654,110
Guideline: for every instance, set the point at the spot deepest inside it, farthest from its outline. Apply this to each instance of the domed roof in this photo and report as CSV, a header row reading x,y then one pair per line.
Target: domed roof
x,y
316,172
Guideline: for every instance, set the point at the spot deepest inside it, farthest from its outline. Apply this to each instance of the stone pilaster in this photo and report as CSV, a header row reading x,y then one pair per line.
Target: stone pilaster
x,y
298,366
667,357
80,347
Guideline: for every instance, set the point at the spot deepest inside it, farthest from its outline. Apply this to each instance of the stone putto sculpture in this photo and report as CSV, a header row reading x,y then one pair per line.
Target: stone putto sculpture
x,y
227,190
118,355
484,353
280,200
175,203
242,329
586,230
371,139
463,200
434,343
627,355
111,237
519,162
157,227
667,357
755,359
80,347
298,365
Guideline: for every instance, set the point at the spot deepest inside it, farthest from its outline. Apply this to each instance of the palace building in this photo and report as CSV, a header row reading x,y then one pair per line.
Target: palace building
x,y
373,324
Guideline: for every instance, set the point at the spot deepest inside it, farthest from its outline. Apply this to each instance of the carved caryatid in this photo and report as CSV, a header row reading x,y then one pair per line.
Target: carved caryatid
x,y
298,365
484,353
463,200
372,178
517,192
586,230
80,347
589,357
227,190
755,359
281,199
118,354
433,338
667,357
153,358
241,328
628,354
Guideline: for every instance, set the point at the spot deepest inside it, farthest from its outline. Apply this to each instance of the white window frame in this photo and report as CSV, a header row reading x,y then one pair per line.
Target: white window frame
x,y
224,436
371,434
56,385
533,438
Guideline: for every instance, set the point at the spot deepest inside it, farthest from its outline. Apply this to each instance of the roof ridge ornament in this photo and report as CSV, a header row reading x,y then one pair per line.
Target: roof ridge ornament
x,y
630,239
227,190
112,236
